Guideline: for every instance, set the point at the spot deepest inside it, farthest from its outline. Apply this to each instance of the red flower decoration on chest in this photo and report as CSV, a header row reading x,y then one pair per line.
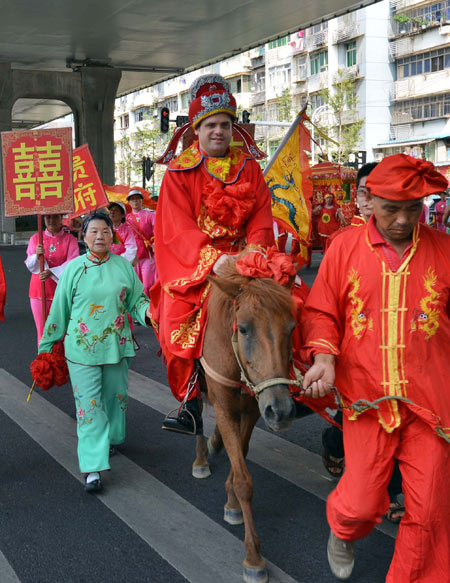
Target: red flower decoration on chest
x,y
229,205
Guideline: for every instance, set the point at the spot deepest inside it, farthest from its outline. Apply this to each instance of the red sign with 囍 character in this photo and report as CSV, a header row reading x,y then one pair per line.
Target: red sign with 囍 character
x,y
37,172
88,191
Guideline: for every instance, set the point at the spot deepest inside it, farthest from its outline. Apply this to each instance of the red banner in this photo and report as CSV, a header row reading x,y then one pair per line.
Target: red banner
x,y
88,192
37,172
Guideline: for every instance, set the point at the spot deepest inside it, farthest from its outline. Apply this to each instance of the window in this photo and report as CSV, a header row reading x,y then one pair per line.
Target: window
x,y
185,101
273,112
260,81
280,42
316,101
350,54
424,15
301,69
428,62
430,107
172,103
124,121
142,113
319,62
280,75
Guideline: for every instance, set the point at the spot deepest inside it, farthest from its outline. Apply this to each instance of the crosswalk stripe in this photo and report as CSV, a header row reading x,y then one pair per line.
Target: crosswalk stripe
x,y
198,548
281,457
7,574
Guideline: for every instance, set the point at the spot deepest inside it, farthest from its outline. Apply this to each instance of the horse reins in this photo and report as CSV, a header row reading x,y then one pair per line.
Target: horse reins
x,y
245,382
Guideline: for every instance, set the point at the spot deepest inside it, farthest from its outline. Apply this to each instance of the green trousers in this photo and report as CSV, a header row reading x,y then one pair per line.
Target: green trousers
x,y
101,398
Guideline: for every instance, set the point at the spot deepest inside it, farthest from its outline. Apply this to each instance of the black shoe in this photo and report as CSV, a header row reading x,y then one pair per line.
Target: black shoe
x,y
112,450
94,486
188,420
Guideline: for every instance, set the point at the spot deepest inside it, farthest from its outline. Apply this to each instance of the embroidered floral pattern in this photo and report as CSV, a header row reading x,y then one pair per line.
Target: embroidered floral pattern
x,y
114,328
359,318
215,230
123,400
208,256
427,318
51,328
84,416
189,331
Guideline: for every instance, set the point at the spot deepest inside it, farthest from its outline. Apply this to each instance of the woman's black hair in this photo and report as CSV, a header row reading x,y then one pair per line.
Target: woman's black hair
x,y
97,216
111,204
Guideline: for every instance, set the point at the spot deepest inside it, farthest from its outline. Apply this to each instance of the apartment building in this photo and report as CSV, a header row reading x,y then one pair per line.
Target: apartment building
x,y
420,110
396,51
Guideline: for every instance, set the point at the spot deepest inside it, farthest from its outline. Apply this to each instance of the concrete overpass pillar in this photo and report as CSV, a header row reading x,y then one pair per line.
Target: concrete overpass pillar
x,y
96,116
7,225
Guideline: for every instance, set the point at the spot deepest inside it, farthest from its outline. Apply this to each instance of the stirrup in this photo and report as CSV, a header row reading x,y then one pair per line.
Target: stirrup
x,y
171,421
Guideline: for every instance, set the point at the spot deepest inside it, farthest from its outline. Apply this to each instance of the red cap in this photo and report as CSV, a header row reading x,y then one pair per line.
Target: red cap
x,y
401,177
210,94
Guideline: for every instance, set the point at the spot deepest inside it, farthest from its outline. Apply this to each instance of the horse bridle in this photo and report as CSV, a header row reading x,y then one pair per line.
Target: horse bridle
x,y
245,382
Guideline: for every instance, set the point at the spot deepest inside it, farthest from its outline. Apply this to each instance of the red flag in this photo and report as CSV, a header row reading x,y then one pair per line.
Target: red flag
x,y
2,291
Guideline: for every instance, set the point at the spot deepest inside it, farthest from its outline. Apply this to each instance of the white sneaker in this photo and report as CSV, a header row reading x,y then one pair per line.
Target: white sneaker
x,y
341,557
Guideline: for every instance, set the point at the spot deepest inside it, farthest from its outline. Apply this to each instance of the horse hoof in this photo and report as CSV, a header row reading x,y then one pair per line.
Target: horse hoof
x,y
212,451
233,516
255,574
201,472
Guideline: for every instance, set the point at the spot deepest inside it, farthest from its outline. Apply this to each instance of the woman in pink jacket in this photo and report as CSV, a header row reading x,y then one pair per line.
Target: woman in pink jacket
x,y
58,248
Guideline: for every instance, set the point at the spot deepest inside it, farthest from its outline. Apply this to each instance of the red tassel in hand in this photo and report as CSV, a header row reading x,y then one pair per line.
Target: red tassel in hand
x,y
49,368
42,370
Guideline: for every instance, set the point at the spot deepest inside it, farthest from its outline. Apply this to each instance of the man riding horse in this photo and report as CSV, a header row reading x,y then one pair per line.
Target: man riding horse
x,y
213,202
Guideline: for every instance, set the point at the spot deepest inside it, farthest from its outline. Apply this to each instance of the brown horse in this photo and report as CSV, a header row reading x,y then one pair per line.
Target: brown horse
x,y
260,311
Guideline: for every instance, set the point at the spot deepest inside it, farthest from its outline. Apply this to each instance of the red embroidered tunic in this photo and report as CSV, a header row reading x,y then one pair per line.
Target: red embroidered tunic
x,y
388,329
207,206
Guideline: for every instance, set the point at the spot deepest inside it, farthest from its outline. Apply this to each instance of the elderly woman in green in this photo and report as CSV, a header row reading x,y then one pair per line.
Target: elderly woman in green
x,y
89,312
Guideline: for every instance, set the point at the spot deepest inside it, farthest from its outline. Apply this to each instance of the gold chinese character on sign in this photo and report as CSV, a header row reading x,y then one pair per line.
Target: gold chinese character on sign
x,y
83,195
24,170
50,179
78,168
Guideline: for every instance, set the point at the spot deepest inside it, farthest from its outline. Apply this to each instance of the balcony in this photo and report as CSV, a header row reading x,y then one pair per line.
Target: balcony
x,y
400,132
346,32
399,5
401,118
352,72
318,82
400,47
317,40
420,85
257,97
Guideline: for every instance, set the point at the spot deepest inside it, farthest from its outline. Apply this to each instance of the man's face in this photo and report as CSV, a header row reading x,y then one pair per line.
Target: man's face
x,y
396,219
136,202
214,134
362,200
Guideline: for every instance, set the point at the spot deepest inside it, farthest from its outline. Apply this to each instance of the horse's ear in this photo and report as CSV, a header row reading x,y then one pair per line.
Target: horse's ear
x,y
229,288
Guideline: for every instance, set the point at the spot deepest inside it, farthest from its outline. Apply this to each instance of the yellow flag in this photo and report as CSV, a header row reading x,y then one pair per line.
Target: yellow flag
x,y
288,176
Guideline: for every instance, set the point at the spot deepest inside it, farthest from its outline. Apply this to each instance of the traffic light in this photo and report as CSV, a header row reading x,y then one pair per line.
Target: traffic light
x,y
148,168
181,120
245,116
164,119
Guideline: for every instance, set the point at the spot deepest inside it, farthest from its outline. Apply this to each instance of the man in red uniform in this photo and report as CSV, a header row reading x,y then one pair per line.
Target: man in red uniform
x,y
213,202
378,321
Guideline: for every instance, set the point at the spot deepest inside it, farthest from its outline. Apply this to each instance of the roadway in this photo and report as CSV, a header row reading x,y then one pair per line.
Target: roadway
x,y
153,522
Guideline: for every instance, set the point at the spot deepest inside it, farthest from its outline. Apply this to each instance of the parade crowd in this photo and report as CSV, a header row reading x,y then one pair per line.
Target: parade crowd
x,y
376,323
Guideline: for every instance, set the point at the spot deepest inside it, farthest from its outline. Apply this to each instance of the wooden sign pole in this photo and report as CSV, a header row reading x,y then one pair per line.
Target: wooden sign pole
x,y
42,265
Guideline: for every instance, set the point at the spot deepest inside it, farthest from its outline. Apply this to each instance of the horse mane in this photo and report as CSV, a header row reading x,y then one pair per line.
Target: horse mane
x,y
257,293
